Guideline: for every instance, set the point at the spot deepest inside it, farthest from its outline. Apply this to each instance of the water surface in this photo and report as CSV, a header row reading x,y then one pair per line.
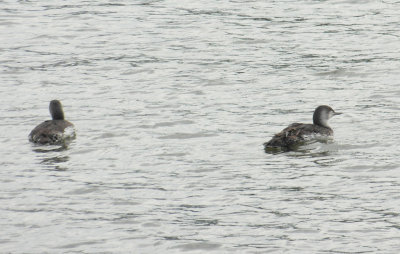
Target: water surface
x,y
172,101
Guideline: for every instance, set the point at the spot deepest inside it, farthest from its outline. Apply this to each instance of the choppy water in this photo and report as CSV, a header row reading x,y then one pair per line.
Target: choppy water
x,y
172,101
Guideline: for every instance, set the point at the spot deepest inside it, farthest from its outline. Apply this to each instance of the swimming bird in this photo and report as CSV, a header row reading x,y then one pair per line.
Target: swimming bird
x,y
52,131
295,133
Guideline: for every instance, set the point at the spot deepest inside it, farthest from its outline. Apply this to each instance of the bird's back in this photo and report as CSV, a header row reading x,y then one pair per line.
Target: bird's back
x,y
49,132
295,134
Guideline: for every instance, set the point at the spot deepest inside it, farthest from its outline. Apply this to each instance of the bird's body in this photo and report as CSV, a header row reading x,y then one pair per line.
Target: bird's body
x,y
296,133
53,131
49,132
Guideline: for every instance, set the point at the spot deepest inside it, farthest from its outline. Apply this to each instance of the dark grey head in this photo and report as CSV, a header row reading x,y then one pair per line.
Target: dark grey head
x,y
322,114
56,110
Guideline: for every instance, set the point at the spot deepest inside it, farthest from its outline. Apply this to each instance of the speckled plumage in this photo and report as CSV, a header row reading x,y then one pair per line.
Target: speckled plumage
x,y
49,132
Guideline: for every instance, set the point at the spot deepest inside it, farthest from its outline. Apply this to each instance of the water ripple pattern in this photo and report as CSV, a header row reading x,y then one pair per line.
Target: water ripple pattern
x,y
172,101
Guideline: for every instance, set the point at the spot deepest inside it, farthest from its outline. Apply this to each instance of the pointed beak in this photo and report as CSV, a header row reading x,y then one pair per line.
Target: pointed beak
x,y
337,113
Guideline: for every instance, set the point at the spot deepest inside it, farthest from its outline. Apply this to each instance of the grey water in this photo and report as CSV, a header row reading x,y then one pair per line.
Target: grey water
x,y
172,101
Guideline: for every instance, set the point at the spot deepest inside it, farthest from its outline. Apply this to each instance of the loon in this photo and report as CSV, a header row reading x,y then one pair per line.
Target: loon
x,y
295,133
52,131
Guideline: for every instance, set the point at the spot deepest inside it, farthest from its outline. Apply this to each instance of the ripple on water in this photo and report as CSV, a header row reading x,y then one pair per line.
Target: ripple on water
x,y
188,135
203,246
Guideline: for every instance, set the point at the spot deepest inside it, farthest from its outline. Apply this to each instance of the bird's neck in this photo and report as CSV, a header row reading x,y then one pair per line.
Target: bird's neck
x,y
321,122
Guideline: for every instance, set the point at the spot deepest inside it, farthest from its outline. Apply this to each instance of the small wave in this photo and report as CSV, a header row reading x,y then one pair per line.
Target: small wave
x,y
166,124
198,246
188,135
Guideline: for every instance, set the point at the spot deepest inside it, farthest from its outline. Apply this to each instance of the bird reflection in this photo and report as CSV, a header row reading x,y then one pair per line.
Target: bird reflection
x,y
52,156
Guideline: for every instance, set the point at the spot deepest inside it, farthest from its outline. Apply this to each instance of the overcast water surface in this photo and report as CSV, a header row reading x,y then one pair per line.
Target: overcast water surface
x,y
172,101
